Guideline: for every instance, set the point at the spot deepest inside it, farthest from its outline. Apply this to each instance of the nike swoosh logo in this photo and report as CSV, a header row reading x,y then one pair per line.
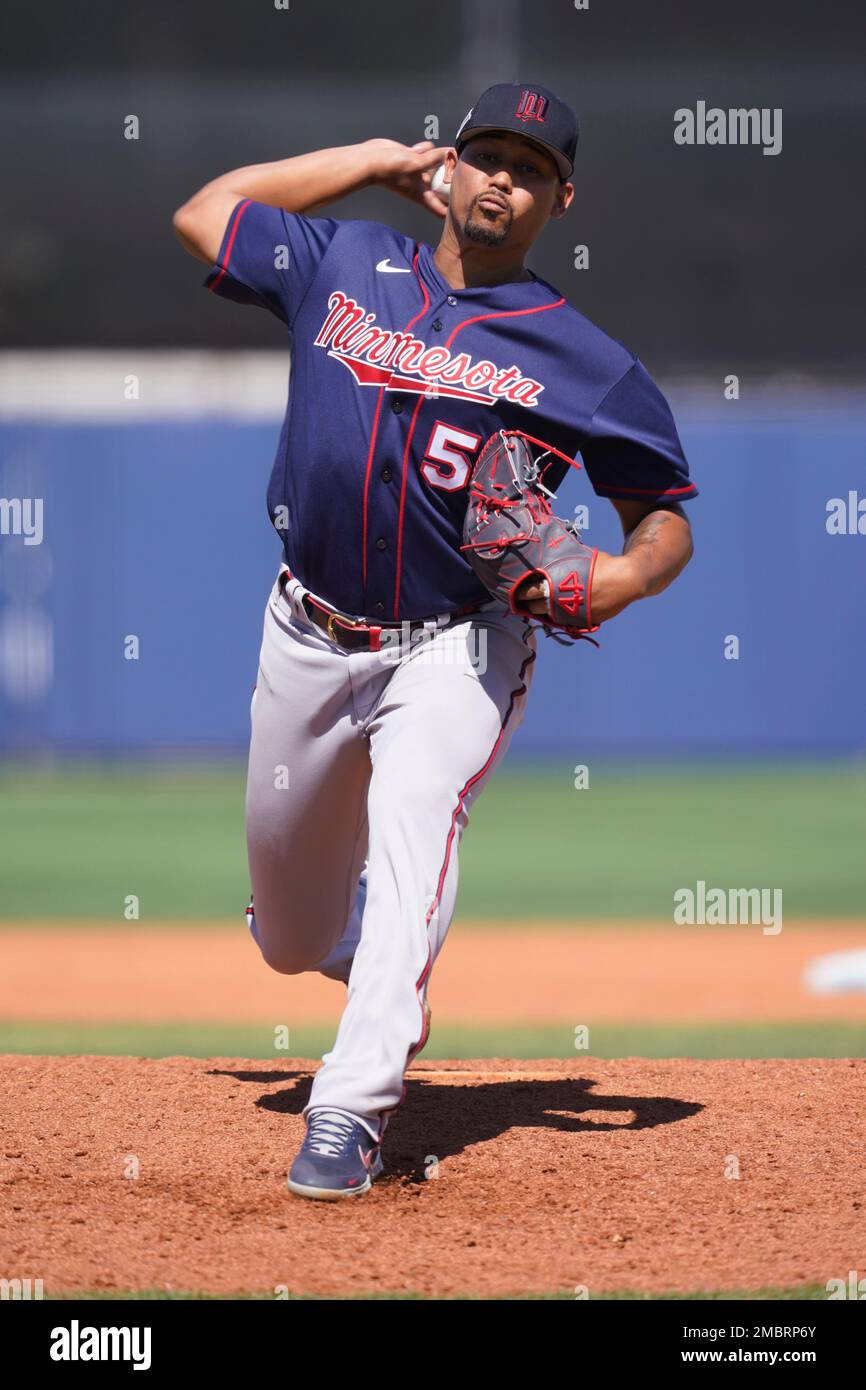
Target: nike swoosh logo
x,y
393,269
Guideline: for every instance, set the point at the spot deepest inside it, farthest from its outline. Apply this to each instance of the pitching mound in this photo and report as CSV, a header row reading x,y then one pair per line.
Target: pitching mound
x,y
121,1173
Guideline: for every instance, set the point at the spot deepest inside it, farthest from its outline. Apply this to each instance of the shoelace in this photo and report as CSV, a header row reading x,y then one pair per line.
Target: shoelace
x,y
328,1132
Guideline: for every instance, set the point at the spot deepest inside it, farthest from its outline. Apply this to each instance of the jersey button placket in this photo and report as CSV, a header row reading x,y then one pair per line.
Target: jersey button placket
x,y
377,609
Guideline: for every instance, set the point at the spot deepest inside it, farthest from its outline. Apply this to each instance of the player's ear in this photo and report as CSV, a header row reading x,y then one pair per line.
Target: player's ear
x,y
563,200
450,164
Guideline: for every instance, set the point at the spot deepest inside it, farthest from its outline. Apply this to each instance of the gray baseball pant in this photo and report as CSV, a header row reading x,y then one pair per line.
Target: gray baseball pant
x,y
363,768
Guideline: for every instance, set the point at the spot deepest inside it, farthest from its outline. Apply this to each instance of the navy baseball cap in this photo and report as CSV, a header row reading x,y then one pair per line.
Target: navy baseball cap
x,y
534,112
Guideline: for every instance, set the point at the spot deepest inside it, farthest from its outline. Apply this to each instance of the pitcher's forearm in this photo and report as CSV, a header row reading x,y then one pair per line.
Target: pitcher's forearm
x,y
302,182
299,184
658,549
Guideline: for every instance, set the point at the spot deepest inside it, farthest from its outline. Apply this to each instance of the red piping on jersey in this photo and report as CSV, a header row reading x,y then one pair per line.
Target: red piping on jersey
x,y
237,215
403,505
411,324
647,491
504,314
367,482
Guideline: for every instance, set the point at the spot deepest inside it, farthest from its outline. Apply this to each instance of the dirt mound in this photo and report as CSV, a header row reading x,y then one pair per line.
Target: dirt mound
x,y
123,1173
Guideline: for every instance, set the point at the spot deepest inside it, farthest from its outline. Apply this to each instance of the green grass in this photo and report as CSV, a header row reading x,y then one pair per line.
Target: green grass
x,y
75,841
833,1039
811,1292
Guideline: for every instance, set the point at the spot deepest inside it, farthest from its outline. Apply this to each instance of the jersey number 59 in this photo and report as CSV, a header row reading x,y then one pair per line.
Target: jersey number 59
x,y
447,459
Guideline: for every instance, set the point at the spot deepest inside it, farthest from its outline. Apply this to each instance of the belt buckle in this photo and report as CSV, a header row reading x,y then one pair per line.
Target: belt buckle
x,y
346,622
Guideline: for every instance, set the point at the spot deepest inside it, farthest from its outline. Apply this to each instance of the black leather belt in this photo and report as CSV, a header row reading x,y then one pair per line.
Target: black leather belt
x,y
359,634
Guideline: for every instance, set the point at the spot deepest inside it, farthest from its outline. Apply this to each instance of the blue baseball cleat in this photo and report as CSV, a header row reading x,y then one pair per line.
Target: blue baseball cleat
x,y
338,1158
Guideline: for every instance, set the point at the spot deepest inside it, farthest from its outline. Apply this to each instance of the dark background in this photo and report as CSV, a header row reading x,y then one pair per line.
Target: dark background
x,y
702,259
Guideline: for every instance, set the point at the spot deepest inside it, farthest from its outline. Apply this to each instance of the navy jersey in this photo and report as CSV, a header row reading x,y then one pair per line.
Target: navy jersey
x,y
397,380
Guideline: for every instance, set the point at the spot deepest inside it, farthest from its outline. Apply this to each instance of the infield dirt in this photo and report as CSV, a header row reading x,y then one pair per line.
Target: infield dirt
x,y
502,1177
535,974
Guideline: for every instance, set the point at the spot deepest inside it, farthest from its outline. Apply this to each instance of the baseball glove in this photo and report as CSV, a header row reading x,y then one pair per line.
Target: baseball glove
x,y
510,534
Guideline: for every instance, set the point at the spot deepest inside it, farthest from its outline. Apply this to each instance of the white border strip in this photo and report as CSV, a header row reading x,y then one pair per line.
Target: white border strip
x,y
101,386
128,386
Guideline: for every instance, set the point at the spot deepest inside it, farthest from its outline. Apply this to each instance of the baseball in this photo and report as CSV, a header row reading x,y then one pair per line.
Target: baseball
x,y
439,185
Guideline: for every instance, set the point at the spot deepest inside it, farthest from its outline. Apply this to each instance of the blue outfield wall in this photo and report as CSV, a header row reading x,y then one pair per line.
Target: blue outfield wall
x,y
160,530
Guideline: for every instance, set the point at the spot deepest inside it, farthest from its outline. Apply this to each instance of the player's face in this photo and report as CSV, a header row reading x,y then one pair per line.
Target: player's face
x,y
504,189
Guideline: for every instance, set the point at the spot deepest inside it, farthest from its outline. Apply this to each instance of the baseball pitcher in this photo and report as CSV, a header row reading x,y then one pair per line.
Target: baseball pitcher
x,y
438,397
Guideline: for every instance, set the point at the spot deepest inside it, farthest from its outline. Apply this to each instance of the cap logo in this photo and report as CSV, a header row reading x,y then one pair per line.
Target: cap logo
x,y
531,106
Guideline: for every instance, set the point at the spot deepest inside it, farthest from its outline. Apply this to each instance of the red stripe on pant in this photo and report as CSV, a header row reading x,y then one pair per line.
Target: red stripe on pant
x,y
422,978
472,780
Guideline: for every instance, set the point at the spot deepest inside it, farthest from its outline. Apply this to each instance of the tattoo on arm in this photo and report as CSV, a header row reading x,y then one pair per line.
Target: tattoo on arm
x,y
664,537
647,532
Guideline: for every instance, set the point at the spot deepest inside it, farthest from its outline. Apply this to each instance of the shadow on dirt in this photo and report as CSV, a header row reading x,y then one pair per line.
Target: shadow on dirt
x,y
464,1113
